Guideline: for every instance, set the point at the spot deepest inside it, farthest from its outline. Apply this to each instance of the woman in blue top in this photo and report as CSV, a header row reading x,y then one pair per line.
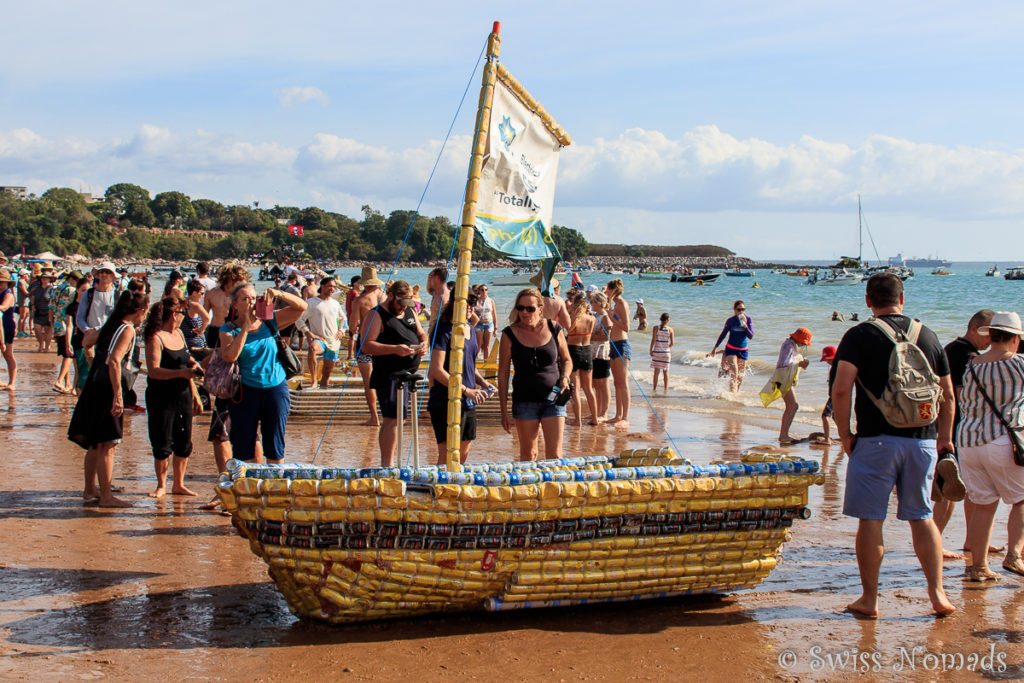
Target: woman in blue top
x,y
740,330
246,340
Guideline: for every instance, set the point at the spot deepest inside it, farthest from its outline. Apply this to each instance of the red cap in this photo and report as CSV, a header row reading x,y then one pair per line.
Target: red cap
x,y
828,353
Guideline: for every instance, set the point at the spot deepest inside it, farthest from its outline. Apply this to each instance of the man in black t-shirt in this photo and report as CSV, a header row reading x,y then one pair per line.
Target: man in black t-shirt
x,y
882,456
948,487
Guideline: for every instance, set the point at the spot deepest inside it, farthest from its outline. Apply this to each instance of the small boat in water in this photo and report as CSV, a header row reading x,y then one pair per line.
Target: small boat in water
x,y
654,275
835,278
993,271
738,273
1015,273
698,277
942,271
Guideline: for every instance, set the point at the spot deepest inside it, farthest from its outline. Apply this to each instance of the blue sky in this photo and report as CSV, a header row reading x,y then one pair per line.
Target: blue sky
x,y
740,124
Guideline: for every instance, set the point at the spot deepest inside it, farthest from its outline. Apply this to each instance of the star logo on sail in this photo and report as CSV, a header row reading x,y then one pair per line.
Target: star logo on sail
x,y
507,132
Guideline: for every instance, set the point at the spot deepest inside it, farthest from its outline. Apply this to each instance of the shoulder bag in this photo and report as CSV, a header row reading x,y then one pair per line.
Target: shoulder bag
x,y
223,380
285,356
1016,440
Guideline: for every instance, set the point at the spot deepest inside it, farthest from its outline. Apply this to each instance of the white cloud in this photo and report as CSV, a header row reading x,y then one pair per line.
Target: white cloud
x,y
648,184
297,94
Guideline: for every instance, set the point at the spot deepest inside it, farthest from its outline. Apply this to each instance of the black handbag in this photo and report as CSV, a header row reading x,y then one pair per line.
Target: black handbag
x,y
1016,440
285,356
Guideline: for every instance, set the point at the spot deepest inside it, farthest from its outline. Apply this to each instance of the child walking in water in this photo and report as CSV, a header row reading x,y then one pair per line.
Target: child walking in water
x,y
782,383
662,340
828,355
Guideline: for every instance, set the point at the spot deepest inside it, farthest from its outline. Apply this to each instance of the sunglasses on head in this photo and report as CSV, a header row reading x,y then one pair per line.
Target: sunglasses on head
x,y
528,309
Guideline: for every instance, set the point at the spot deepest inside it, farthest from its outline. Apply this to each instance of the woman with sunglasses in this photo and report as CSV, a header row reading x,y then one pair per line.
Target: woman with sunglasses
x,y
740,330
537,349
170,392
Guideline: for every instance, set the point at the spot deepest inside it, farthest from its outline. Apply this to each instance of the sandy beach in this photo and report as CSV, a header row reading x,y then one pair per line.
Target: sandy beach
x,y
164,590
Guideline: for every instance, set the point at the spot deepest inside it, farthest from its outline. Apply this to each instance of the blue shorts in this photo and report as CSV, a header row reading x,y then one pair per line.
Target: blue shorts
x,y
326,352
879,463
536,410
740,353
828,411
485,327
621,349
364,359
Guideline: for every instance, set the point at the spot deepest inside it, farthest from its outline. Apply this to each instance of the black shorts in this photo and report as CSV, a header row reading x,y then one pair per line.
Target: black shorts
x,y
387,398
61,342
212,336
439,421
602,368
582,358
220,420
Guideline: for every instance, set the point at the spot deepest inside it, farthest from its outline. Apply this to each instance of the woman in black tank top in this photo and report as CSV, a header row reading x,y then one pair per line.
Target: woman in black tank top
x,y
170,393
537,349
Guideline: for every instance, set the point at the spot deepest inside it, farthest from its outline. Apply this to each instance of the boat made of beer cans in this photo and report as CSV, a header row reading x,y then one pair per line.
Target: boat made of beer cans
x,y
347,545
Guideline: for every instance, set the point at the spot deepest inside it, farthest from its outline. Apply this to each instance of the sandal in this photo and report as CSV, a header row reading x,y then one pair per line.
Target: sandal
x,y
1013,563
981,574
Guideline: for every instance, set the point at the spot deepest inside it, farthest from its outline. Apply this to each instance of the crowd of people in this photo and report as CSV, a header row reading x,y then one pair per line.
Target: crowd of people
x,y
936,424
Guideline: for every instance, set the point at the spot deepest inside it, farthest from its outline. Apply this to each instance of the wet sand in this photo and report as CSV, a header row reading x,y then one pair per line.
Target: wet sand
x,y
164,590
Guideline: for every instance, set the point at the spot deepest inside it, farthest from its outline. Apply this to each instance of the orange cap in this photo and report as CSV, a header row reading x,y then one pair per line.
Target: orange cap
x,y
802,336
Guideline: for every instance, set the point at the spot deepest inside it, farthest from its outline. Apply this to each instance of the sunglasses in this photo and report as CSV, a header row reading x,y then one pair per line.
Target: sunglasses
x,y
528,309
741,309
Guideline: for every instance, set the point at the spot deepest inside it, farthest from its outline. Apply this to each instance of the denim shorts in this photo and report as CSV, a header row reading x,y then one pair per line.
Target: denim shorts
x,y
621,349
879,463
328,355
364,359
485,327
536,410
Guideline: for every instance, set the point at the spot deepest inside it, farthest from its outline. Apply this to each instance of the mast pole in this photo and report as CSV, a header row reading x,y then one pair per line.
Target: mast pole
x,y
860,235
465,249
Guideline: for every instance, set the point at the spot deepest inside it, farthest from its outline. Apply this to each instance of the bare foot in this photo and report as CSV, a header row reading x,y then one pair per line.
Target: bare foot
x,y
941,606
948,555
622,425
593,423
372,422
183,491
574,422
159,493
91,495
112,502
992,549
862,608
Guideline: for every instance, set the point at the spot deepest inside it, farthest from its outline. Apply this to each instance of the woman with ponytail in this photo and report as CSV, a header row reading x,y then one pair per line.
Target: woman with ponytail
x,y
97,421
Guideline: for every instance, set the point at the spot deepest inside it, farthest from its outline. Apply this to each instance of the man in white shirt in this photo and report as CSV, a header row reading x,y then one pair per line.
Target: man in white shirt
x,y
203,275
324,324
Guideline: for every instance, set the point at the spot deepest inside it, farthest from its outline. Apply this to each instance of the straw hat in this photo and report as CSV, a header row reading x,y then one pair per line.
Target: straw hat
x,y
5,275
802,336
369,277
538,280
1006,321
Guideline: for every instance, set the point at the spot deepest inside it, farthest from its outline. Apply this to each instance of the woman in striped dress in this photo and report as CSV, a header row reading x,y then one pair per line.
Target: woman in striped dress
x,y
662,340
993,379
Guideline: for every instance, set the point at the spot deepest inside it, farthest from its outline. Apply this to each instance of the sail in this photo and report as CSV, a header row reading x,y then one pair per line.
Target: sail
x,y
517,181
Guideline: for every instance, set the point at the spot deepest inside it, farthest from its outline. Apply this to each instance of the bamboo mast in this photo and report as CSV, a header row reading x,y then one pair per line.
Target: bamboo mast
x,y
466,233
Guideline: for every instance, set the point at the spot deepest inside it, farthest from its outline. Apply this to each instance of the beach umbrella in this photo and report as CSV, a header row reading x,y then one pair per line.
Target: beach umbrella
x,y
48,256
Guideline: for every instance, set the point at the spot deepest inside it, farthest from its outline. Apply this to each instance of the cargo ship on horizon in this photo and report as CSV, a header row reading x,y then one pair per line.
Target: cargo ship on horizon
x,y
898,260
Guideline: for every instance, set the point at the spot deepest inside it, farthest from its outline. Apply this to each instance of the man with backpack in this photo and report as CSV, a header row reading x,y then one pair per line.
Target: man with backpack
x,y
904,408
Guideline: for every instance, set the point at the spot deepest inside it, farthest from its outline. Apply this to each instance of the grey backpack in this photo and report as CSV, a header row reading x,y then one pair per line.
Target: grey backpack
x,y
912,392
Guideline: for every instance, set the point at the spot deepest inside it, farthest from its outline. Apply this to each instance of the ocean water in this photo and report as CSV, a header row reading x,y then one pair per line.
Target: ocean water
x,y
778,306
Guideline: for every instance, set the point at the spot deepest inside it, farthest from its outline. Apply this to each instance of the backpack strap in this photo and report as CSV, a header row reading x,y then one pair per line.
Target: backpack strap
x,y
895,334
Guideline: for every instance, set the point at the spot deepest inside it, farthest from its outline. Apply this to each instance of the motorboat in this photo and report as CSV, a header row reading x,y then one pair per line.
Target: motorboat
x,y
1015,273
835,278
698,277
993,271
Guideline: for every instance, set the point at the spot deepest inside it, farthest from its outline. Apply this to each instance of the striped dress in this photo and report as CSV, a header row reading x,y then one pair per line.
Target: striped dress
x,y
660,355
1004,382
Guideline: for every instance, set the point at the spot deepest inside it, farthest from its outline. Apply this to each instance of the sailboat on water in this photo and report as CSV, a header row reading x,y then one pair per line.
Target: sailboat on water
x,y
355,544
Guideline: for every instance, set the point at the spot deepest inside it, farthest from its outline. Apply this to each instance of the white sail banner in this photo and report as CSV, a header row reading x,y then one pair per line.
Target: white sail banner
x,y
517,182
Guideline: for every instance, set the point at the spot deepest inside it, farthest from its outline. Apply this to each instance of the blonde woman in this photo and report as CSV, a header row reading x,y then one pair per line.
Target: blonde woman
x,y
581,327
599,351
621,351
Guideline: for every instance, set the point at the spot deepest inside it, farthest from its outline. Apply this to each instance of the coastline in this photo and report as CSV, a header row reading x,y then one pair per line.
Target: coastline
x,y
89,592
